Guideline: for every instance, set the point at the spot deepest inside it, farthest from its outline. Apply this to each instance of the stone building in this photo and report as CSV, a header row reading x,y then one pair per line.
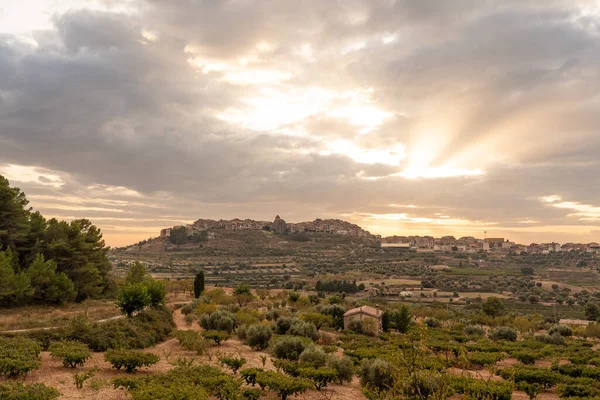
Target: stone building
x,y
370,316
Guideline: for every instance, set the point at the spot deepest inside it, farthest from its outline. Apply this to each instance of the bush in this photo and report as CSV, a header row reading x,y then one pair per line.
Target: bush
x,y
216,336
320,377
527,357
475,330
302,328
313,356
281,384
71,353
356,326
432,322
192,341
543,376
232,362
283,325
376,374
258,336
219,321
562,330
504,333
249,375
555,338
344,368
577,390
490,390
130,359
481,358
19,356
288,348
18,391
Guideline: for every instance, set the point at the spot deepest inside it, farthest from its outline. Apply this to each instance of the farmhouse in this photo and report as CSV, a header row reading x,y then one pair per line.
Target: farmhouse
x,y
370,316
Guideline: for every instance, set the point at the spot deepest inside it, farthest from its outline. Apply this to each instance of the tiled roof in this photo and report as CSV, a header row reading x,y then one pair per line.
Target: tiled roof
x,y
364,310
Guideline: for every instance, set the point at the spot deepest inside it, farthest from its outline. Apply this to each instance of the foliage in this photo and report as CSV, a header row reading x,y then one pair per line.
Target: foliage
x,y
474,330
313,356
335,311
555,338
258,336
216,336
302,328
130,359
542,376
281,384
493,306
356,326
220,320
577,390
319,376
527,357
19,391
503,333
232,362
592,311
531,389
337,286
133,297
376,374
562,330
19,356
69,258
344,368
432,322
156,291
249,375
192,341
475,389
402,319
198,284
482,358
81,377
317,319
72,353
288,348
136,273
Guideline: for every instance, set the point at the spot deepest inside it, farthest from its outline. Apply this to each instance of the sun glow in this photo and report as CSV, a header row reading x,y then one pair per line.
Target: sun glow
x,y
390,156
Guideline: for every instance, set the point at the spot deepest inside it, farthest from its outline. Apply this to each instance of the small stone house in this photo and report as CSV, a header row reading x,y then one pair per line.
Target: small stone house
x,y
370,316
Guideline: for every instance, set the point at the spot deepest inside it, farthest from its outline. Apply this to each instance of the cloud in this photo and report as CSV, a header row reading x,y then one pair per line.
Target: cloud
x,y
149,113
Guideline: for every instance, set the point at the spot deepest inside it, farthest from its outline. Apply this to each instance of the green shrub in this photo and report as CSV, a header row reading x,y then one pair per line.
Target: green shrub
x,y
19,391
220,320
287,366
432,322
562,330
81,377
577,390
192,341
527,357
543,376
376,374
314,357
216,336
319,376
356,326
302,328
504,333
481,358
19,356
344,368
288,348
480,390
474,330
72,353
258,336
281,384
232,362
130,359
555,338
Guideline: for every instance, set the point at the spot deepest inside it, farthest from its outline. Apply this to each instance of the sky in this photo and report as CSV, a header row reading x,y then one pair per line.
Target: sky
x,y
422,117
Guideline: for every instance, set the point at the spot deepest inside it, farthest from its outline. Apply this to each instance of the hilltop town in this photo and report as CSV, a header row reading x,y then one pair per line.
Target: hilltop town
x,y
468,244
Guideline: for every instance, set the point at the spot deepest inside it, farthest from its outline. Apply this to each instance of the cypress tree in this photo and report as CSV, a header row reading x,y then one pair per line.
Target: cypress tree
x,y
199,284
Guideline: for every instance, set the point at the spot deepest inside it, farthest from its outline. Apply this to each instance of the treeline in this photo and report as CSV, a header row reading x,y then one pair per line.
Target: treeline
x,y
339,286
48,261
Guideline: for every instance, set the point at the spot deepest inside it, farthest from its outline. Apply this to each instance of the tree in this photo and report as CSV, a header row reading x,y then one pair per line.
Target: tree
x,y
402,319
178,235
48,285
136,273
592,311
199,284
15,287
493,306
527,271
14,216
133,297
317,319
156,291
242,289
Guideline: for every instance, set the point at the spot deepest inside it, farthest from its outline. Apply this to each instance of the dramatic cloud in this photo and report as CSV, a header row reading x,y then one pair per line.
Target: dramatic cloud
x,y
406,117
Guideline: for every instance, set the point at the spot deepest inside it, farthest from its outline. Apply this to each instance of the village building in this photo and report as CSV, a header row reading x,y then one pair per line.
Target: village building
x,y
370,316
279,225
